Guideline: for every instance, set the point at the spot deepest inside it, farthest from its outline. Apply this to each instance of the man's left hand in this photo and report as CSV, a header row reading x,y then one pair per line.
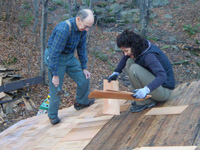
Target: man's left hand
x,y
141,93
86,73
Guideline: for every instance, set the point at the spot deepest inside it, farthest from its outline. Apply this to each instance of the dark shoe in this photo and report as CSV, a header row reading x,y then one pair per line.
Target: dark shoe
x,y
137,108
78,106
133,103
54,120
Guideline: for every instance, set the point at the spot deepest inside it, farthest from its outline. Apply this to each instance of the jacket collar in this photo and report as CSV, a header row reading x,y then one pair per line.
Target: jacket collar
x,y
149,43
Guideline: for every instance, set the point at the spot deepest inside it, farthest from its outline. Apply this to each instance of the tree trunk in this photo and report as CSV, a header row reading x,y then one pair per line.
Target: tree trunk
x,y
145,9
0,9
36,16
90,5
70,9
74,5
43,36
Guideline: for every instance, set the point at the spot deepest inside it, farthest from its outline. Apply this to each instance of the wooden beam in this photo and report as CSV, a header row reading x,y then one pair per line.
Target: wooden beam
x,y
20,84
114,95
110,106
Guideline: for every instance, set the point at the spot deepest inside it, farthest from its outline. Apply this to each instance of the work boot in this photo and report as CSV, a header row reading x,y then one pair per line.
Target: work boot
x,y
133,103
138,108
54,121
78,106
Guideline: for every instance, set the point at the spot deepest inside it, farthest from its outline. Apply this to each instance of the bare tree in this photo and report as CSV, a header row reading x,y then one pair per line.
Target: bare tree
x,y
74,5
89,32
145,9
43,36
36,16
0,9
9,5
70,9
90,4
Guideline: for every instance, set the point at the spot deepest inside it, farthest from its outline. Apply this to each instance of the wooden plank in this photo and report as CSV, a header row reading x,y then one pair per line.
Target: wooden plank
x,y
9,108
2,68
124,107
82,134
8,68
20,84
8,101
1,81
168,148
1,119
111,106
28,106
31,101
114,95
167,110
120,91
1,112
71,145
2,94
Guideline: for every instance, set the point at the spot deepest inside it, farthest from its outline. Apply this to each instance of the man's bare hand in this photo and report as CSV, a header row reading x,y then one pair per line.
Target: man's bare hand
x,y
87,73
55,81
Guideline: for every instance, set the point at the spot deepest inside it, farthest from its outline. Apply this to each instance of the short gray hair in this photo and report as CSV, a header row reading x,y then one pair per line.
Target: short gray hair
x,y
82,14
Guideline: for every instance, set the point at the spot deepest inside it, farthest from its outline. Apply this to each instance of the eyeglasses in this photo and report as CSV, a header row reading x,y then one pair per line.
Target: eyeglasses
x,y
86,27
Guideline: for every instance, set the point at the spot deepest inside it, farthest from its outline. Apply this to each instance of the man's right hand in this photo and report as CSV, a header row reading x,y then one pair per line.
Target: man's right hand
x,y
55,81
113,76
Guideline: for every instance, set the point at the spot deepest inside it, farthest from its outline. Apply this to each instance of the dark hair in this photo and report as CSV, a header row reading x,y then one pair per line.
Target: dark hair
x,y
130,39
82,14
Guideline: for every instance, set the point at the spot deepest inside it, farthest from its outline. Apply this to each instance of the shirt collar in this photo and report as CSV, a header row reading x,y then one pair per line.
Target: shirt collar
x,y
74,22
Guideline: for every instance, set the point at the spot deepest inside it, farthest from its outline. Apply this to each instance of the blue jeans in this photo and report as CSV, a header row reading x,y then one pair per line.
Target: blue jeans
x,y
70,65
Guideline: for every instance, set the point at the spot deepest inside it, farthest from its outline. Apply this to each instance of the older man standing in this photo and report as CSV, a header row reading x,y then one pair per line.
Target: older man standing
x,y
59,57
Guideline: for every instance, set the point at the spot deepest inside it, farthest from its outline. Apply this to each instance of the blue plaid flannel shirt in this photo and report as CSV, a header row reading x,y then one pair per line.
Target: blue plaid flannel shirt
x,y
60,41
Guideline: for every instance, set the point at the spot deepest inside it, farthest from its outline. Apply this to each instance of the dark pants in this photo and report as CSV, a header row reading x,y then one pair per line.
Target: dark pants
x,y
70,65
140,77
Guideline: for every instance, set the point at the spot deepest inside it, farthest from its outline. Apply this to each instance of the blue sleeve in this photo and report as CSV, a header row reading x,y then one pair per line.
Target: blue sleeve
x,y
59,39
154,65
122,64
81,50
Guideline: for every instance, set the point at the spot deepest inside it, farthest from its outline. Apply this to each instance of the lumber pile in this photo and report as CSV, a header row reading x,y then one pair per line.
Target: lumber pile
x,y
14,92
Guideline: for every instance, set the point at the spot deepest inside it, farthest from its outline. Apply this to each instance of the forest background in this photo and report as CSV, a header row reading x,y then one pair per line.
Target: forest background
x,y
174,26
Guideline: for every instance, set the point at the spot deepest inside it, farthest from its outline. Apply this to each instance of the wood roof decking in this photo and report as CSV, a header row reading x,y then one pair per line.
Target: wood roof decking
x,y
75,131
132,130
90,129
